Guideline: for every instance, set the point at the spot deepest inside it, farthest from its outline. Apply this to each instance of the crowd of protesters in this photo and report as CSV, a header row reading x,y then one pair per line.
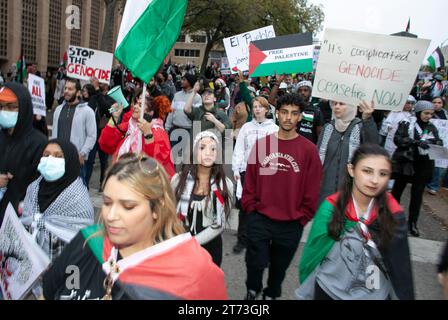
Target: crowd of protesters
x,y
294,159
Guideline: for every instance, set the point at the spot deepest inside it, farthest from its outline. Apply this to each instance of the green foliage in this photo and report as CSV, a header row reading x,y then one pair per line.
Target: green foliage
x,y
220,19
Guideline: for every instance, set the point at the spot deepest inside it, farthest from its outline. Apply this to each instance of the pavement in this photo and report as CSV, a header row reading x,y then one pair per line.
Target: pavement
x,y
425,251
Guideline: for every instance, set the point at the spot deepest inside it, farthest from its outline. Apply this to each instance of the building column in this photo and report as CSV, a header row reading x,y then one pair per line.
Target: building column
x,y
14,31
65,32
86,19
43,27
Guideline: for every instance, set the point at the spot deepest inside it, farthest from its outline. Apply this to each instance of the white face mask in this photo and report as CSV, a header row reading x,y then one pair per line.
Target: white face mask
x,y
8,119
51,168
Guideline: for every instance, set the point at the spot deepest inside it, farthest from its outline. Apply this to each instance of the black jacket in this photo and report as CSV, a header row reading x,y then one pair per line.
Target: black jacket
x,y
406,159
20,152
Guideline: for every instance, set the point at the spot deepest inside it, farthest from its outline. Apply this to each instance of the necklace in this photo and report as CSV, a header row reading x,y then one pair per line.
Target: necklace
x,y
114,272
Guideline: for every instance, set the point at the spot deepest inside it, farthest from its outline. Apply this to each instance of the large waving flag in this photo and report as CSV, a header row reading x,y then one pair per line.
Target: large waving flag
x,y
436,60
148,31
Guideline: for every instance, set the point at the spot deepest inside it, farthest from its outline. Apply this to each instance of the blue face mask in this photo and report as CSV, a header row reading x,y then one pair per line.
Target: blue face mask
x,y
8,119
51,168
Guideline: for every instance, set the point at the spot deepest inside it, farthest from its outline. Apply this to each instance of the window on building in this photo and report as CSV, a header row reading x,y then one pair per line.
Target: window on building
x,y
29,30
3,28
187,53
181,38
54,34
198,38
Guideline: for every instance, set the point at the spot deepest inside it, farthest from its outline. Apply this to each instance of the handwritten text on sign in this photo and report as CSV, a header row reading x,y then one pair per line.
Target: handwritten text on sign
x,y
355,66
84,63
237,47
36,87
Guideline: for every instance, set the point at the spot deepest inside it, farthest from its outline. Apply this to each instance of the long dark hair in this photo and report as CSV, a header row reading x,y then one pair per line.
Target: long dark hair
x,y
217,174
386,221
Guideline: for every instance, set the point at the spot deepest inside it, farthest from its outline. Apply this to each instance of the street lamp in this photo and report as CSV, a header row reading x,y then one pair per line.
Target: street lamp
x,y
268,20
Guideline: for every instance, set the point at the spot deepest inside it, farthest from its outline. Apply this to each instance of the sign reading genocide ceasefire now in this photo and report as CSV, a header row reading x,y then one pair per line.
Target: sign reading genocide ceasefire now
x,y
286,54
237,47
84,63
36,87
355,66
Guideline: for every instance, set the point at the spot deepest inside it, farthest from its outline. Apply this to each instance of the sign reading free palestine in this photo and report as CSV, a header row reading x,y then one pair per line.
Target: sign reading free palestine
x,y
286,54
355,66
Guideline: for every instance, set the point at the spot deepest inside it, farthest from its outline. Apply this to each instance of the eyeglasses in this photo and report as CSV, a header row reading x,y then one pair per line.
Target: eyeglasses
x,y
148,165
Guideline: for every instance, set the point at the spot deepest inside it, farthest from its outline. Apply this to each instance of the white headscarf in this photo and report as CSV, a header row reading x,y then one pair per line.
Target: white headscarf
x,y
205,134
341,124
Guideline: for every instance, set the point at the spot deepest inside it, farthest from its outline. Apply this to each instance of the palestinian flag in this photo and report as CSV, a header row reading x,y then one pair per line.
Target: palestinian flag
x,y
285,54
436,60
177,268
21,69
148,31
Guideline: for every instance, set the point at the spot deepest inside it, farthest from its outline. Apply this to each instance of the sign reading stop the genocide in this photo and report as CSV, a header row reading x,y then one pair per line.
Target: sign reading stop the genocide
x,y
84,63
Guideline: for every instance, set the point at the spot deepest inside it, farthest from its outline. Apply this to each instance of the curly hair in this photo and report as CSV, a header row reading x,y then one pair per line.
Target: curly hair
x,y
161,106
291,99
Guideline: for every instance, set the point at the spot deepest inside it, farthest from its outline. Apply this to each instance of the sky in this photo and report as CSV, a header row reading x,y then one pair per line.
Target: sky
x,y
428,17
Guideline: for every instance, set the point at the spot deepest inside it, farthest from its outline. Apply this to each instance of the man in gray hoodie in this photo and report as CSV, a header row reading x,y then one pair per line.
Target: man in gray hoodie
x,y
75,122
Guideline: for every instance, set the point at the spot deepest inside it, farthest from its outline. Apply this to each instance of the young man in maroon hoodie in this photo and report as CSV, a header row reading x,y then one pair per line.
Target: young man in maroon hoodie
x,y
280,195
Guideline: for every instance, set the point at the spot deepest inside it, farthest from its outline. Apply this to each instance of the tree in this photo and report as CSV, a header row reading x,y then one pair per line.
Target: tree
x,y
221,19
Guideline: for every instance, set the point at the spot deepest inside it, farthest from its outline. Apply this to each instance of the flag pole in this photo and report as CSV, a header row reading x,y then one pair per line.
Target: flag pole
x,y
142,112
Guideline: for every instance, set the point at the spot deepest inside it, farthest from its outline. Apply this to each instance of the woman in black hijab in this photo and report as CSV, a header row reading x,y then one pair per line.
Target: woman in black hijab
x,y
57,205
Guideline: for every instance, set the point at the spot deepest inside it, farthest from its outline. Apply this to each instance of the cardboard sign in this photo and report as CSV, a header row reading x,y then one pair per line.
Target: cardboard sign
x,y
355,66
36,87
84,63
286,54
22,261
237,47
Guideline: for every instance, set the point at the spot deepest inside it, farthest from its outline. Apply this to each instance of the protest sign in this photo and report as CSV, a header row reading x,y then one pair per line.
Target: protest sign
x,y
21,259
84,63
36,87
442,127
286,54
436,152
225,67
355,66
237,47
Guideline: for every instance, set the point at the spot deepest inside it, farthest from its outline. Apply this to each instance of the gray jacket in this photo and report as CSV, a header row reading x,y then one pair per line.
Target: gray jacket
x,y
83,134
336,150
178,118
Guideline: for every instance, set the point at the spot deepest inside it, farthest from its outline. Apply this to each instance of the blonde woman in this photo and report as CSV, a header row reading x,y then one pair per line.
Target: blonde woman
x,y
141,251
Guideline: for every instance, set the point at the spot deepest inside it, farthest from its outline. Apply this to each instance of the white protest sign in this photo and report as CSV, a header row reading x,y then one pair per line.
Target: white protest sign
x,y
436,152
225,69
36,87
84,63
237,47
442,128
22,261
355,66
